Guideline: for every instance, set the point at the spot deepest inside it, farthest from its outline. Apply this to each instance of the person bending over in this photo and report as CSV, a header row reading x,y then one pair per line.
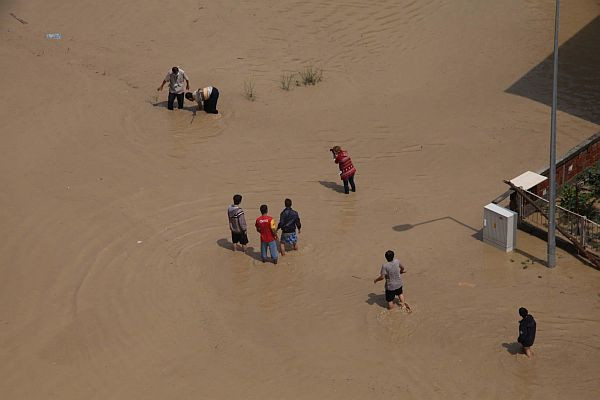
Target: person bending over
x,y
206,98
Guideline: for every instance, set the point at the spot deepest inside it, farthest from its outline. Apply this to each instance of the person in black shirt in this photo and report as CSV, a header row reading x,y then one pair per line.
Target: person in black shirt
x,y
527,328
289,220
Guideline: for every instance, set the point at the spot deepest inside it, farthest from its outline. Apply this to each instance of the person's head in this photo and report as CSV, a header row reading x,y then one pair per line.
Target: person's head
x,y
175,70
389,255
189,96
336,149
264,209
523,312
288,202
237,199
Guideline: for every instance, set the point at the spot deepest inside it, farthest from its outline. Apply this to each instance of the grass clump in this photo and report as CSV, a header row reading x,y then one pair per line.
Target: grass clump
x,y
286,80
311,75
249,91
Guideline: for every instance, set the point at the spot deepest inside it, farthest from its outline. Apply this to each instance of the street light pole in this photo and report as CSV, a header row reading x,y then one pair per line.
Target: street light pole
x,y
552,195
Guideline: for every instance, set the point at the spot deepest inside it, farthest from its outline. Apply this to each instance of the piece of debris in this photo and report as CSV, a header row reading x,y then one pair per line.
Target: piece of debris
x,y
466,284
21,20
140,242
539,276
55,36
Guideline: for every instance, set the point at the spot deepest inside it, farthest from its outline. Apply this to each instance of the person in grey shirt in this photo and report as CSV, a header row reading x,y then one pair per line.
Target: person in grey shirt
x,y
391,271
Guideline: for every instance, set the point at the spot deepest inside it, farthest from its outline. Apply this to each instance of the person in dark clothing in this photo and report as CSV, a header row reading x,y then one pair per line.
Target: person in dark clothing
x,y
289,220
527,328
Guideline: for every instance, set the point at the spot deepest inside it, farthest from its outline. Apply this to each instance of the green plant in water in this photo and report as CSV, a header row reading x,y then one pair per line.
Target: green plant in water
x,y
311,75
286,80
249,91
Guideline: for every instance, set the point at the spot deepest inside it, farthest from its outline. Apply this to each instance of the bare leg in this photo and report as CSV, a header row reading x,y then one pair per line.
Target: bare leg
x,y
528,352
282,248
296,246
233,247
403,304
243,248
391,305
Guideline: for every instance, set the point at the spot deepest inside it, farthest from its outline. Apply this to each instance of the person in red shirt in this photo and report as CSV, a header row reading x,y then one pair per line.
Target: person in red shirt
x,y
347,169
265,225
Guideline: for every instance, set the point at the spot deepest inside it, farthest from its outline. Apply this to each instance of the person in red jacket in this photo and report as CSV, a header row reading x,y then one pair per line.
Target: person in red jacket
x,y
347,170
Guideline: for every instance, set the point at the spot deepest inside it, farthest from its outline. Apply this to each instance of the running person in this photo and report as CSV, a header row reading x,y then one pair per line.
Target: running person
x,y
391,271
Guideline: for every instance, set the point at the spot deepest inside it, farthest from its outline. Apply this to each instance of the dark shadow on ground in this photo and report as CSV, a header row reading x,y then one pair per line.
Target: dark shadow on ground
x,y
164,104
513,348
405,227
333,186
377,299
226,244
529,256
578,76
560,243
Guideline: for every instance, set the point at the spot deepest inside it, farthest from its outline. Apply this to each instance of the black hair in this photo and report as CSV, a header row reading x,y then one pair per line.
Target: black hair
x,y
389,255
264,209
175,70
288,202
523,312
237,199
189,96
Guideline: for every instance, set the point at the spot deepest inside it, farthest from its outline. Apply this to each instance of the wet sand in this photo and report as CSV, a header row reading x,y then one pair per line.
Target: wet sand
x,y
116,276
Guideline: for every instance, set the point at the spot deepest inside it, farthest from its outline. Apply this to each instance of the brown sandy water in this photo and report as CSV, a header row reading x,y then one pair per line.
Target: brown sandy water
x,y
116,277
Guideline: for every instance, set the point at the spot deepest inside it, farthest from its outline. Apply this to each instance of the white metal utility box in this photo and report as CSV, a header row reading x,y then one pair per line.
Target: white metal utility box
x,y
500,227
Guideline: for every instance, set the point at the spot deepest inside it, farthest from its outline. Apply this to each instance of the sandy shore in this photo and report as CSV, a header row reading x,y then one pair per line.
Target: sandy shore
x,y
116,276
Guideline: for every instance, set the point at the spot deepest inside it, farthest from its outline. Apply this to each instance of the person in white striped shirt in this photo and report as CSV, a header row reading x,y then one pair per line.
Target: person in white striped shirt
x,y
206,98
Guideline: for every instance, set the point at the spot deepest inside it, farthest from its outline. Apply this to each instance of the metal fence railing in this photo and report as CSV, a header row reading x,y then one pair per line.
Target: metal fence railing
x,y
584,230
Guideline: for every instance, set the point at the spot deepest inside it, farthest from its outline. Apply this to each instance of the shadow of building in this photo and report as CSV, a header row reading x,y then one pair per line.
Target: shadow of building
x,y
578,76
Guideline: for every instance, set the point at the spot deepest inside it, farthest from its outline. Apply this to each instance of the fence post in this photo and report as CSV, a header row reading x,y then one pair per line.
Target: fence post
x,y
584,223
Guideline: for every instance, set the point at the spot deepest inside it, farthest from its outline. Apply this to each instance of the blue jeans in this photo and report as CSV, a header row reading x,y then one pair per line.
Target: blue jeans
x,y
272,248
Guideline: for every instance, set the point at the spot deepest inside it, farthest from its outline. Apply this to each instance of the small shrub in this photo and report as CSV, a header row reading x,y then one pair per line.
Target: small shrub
x,y
311,76
249,91
577,200
286,80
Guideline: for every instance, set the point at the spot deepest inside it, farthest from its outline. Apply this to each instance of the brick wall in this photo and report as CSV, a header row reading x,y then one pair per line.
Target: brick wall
x,y
578,159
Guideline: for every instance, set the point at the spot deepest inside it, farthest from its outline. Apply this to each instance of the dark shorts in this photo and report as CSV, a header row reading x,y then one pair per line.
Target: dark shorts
x,y
391,294
240,238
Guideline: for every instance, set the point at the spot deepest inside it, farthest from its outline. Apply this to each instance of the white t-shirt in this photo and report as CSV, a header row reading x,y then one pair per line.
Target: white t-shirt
x,y
176,81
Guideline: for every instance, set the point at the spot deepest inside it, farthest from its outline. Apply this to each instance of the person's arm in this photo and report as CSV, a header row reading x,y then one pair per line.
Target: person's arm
x,y
161,85
257,227
402,268
379,278
273,227
187,82
242,223
298,224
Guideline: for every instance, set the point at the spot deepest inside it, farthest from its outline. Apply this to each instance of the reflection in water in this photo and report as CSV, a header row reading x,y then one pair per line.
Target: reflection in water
x,y
578,76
